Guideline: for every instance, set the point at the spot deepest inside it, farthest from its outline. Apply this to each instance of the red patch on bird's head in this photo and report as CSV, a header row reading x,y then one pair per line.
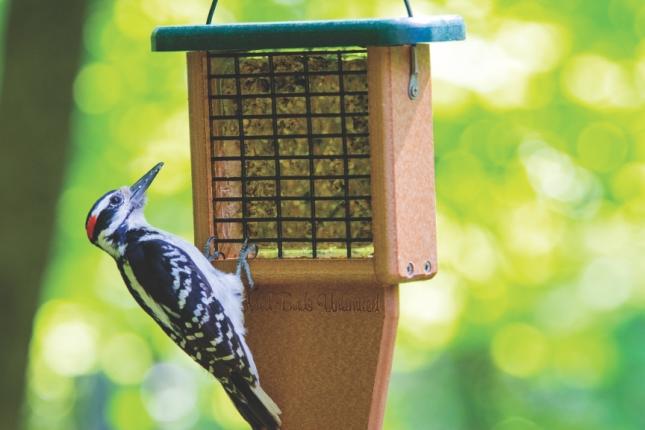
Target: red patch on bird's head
x,y
89,227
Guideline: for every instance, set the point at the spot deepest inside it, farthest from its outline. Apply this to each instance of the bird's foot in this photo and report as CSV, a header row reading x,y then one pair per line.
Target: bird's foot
x,y
243,262
215,254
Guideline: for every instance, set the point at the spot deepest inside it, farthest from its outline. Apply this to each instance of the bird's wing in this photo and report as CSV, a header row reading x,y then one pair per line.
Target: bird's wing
x,y
204,330
200,325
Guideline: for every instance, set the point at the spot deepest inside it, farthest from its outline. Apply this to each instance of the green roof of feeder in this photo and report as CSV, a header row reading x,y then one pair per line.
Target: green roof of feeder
x,y
308,34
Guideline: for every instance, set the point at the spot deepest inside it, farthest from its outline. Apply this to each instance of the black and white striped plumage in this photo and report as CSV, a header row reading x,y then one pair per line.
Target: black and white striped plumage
x,y
198,306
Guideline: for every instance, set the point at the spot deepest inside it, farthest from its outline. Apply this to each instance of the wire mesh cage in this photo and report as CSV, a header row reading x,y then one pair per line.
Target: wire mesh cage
x,y
290,145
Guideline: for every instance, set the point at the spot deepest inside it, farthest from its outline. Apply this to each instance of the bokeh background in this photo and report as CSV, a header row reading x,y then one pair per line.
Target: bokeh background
x,y
536,319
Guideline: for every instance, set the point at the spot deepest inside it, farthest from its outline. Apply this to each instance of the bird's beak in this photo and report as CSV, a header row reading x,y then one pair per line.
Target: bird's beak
x,y
138,189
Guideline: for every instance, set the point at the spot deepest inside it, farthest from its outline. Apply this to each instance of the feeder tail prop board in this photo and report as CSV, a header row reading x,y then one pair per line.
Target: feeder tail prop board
x,y
402,156
324,352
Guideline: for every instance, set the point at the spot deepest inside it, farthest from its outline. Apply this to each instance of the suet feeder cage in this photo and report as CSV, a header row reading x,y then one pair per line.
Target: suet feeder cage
x,y
314,141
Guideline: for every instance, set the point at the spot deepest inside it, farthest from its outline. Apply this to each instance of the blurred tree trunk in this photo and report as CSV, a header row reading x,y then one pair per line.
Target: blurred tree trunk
x,y
42,55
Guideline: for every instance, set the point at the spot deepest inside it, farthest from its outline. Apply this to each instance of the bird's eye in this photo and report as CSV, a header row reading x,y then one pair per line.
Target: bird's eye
x,y
116,200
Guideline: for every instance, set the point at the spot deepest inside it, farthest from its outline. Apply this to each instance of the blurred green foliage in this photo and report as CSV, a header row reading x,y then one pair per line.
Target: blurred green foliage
x,y
535,320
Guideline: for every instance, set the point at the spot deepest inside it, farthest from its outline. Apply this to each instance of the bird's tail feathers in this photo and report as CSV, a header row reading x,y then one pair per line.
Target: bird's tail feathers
x,y
261,407
244,410
267,402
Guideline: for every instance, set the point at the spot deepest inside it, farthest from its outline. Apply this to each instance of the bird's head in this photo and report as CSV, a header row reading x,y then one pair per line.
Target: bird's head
x,y
117,211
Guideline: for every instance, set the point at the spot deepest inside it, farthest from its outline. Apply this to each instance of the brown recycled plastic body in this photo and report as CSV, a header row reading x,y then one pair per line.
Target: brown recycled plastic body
x,y
322,330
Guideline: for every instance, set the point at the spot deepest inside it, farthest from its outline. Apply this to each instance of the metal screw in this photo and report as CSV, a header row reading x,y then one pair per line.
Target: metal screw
x,y
427,266
414,90
410,269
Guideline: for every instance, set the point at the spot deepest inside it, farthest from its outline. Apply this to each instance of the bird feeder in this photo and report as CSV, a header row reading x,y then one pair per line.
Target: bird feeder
x,y
314,141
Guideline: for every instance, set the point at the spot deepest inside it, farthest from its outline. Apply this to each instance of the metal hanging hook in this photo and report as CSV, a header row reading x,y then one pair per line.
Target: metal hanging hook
x,y
413,85
408,8
211,11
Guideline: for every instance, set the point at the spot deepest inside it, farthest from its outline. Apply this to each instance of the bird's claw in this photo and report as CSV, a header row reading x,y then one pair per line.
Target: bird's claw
x,y
243,262
211,256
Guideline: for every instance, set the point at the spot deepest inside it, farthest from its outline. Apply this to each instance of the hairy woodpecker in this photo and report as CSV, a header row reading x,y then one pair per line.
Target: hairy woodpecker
x,y
198,306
